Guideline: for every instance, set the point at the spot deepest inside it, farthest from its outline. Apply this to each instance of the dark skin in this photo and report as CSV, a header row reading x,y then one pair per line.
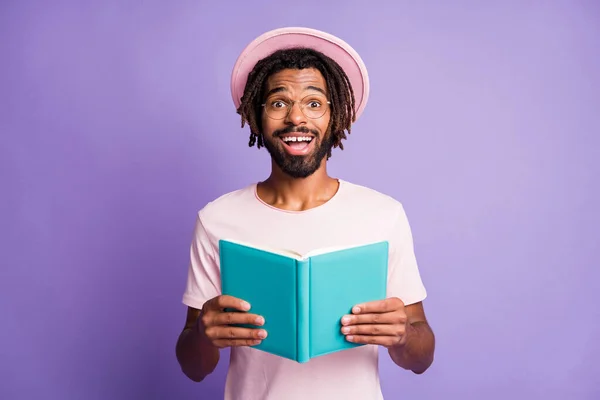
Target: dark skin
x,y
402,329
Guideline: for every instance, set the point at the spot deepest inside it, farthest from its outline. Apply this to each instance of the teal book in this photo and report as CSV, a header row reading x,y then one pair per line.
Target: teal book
x,y
303,297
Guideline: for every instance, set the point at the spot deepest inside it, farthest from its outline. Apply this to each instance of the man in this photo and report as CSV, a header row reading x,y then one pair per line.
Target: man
x,y
299,90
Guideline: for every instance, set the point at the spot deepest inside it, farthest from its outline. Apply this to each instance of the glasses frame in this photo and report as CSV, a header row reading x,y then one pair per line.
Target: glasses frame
x,y
263,105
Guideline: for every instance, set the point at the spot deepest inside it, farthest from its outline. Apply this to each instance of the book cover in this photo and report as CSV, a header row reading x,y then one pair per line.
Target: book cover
x,y
303,296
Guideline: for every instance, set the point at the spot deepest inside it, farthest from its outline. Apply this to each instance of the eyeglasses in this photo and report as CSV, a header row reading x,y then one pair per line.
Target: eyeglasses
x,y
312,107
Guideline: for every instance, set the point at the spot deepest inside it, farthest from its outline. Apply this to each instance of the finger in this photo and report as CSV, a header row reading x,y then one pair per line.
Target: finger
x,y
386,341
375,318
374,330
222,343
225,301
378,306
231,318
234,333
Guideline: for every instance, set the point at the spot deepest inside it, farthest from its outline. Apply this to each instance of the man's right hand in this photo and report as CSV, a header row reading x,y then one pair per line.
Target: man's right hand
x,y
216,324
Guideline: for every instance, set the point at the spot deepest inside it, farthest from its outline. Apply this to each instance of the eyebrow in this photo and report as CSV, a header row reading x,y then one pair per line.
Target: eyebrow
x,y
280,89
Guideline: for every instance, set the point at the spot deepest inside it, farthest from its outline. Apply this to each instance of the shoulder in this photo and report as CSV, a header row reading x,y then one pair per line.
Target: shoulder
x,y
366,197
226,204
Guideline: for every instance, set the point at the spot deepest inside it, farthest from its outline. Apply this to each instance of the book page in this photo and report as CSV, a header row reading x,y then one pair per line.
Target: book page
x,y
326,250
298,256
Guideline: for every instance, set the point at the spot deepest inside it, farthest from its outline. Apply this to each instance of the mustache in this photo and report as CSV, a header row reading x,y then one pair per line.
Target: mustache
x,y
295,129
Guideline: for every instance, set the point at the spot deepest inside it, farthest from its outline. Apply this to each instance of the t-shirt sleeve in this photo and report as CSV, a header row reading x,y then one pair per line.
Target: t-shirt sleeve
x,y
404,279
204,277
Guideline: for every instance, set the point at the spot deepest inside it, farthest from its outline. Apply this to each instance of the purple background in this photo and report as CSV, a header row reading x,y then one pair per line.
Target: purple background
x,y
117,125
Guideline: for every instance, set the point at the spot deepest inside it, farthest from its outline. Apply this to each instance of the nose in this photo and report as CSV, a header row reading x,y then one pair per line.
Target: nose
x,y
295,116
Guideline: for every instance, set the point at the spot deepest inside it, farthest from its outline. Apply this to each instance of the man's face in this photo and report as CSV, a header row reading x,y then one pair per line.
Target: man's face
x,y
298,140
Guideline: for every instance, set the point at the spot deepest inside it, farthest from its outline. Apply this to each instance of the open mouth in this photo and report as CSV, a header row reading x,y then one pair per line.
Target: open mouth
x,y
297,144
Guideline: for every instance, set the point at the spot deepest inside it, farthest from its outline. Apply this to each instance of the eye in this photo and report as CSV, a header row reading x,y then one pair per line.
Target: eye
x,y
278,104
314,104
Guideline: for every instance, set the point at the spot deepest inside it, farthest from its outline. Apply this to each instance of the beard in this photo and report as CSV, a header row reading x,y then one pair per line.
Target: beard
x,y
298,166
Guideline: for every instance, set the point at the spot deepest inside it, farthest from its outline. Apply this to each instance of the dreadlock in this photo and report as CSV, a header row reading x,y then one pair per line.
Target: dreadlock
x,y
338,85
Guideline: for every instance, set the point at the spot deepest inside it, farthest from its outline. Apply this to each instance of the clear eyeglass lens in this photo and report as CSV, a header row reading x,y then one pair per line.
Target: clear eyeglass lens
x,y
311,107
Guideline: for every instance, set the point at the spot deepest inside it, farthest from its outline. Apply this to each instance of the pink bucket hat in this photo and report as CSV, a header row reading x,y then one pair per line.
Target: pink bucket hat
x,y
333,47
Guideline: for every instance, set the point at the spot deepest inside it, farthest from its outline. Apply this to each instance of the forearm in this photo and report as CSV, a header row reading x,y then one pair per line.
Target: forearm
x,y
196,355
417,354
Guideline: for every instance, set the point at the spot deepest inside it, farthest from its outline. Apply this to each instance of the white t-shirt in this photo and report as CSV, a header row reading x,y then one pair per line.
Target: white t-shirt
x,y
355,214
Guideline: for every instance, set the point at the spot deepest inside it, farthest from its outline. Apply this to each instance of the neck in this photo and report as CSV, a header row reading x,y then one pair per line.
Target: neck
x,y
297,194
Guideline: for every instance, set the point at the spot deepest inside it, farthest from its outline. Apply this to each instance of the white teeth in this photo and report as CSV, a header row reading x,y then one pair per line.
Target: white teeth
x,y
297,139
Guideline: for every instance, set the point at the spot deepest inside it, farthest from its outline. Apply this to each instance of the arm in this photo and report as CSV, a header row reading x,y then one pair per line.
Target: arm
x,y
417,353
404,331
195,353
211,329
414,347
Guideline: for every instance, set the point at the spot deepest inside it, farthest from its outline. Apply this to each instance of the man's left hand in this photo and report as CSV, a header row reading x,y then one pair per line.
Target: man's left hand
x,y
381,322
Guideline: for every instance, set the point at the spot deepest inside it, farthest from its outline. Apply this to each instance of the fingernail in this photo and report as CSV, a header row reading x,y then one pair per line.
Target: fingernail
x,y
262,334
345,329
345,320
350,338
260,321
356,309
245,306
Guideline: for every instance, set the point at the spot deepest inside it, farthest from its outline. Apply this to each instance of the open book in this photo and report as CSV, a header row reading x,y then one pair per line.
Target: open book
x,y
303,297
